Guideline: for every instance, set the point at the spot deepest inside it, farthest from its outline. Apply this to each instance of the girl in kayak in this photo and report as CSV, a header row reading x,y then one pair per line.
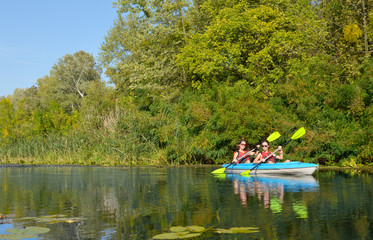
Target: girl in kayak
x,y
241,150
263,155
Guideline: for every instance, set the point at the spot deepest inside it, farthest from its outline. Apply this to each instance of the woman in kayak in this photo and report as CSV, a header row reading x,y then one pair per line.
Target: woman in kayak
x,y
263,155
241,150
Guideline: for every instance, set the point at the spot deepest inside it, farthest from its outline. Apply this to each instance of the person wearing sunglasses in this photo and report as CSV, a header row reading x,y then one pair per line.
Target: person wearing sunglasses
x,y
265,153
241,150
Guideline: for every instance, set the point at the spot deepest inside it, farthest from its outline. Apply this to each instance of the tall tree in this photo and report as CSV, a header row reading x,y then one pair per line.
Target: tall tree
x,y
250,43
69,80
139,50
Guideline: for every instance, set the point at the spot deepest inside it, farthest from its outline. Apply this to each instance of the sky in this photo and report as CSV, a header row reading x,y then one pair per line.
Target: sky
x,y
35,34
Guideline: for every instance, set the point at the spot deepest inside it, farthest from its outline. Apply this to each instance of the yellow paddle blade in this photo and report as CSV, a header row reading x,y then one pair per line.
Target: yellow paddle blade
x,y
273,136
301,131
246,173
218,171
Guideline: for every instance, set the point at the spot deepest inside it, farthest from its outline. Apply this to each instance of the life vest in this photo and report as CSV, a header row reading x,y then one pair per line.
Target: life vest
x,y
240,154
271,159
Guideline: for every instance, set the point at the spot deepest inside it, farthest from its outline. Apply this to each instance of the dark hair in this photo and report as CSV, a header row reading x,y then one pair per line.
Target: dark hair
x,y
238,144
265,141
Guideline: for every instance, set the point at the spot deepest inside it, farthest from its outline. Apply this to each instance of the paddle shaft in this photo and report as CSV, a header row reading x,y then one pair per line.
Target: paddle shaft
x,y
270,155
239,159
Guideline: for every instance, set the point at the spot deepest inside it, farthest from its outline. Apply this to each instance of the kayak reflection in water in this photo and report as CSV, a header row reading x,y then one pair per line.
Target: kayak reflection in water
x,y
271,189
265,153
259,189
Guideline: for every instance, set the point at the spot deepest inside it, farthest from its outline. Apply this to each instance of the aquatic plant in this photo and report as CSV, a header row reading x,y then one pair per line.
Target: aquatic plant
x,y
180,232
28,232
51,219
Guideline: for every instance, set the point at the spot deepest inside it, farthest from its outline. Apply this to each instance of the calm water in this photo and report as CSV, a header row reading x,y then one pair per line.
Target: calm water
x,y
141,202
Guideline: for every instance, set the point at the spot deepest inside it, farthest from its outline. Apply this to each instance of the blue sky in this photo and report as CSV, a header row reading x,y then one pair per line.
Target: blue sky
x,y
35,34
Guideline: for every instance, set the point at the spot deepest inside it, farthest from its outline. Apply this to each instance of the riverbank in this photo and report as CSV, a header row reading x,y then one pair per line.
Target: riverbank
x,y
359,168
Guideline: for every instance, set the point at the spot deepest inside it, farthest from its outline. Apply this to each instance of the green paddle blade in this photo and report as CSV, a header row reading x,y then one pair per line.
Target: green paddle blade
x,y
218,171
246,173
301,131
273,136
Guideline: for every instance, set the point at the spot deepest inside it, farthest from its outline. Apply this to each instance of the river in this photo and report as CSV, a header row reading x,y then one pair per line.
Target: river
x,y
65,202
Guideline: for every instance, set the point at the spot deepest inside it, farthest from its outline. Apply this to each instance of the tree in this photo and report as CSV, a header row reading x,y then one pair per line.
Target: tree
x,y
69,80
250,43
139,50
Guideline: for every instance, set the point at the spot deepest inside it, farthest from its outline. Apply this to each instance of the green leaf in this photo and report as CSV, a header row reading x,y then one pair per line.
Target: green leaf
x,y
196,229
167,236
178,229
37,230
237,230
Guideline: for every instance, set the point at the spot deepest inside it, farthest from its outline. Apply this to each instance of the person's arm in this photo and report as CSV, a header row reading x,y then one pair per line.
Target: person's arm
x,y
281,153
235,154
257,158
256,151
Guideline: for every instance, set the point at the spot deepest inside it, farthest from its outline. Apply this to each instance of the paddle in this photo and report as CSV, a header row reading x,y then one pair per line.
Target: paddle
x,y
271,138
296,135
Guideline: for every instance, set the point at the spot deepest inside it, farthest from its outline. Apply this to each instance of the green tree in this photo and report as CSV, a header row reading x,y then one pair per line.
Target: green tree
x,y
254,44
69,80
139,50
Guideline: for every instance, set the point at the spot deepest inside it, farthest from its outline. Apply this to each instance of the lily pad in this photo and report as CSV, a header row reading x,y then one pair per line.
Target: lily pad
x,y
178,229
190,235
237,230
244,229
196,229
28,218
176,235
222,230
28,232
54,216
8,236
171,235
19,234
37,230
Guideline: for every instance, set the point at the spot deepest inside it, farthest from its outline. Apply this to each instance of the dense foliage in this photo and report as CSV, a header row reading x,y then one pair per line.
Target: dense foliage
x,y
189,79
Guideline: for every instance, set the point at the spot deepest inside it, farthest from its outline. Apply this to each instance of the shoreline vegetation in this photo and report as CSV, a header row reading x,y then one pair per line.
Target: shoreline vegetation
x,y
188,80
355,169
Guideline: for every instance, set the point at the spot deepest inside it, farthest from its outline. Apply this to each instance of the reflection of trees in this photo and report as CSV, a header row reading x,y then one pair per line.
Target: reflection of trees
x,y
140,202
115,201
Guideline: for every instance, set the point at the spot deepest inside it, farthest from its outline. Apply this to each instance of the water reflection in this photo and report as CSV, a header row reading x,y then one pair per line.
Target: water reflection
x,y
271,189
142,202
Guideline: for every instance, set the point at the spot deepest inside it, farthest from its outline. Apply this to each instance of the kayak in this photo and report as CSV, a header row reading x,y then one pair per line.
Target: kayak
x,y
289,168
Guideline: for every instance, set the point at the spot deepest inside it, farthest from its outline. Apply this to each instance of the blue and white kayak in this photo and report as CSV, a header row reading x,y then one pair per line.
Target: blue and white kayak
x,y
289,168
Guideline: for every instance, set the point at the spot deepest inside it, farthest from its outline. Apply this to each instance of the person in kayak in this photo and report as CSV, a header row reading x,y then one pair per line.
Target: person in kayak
x,y
265,153
241,150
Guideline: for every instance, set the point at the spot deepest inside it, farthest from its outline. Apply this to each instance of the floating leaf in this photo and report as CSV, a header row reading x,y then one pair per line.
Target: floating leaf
x,y
196,229
28,232
190,235
54,216
37,230
19,233
178,229
237,230
28,218
177,235
6,236
244,229
223,230
171,235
